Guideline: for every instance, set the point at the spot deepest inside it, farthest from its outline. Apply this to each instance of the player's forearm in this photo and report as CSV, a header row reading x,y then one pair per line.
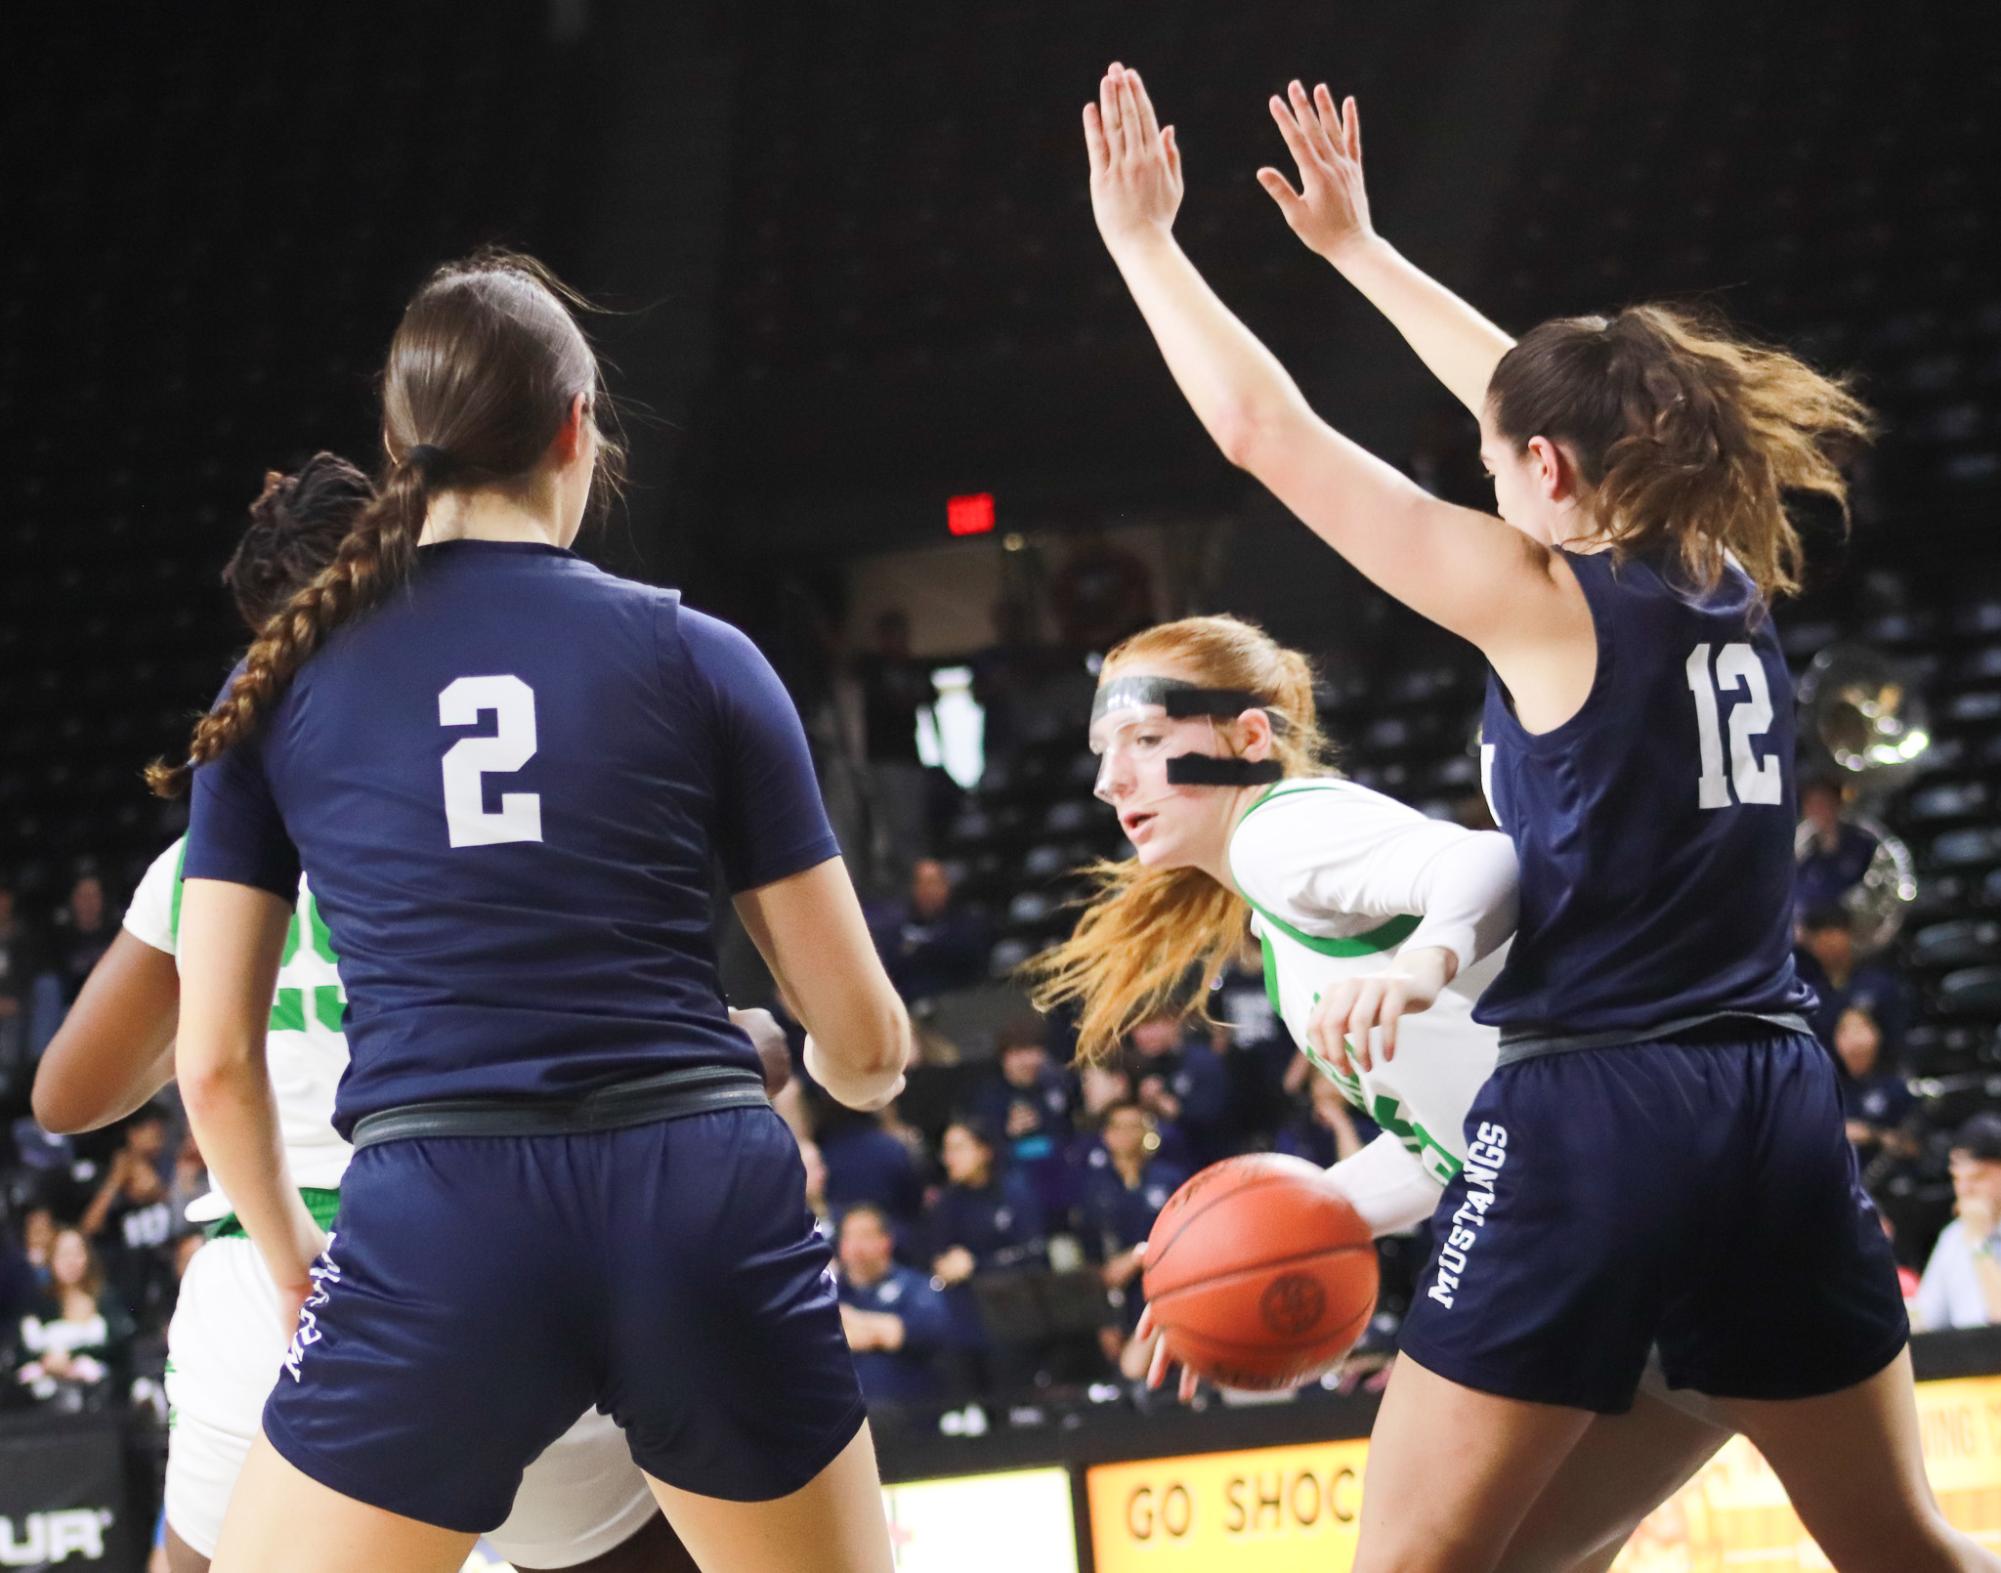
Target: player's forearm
x,y
1236,387
234,1115
1460,347
114,1049
1387,1186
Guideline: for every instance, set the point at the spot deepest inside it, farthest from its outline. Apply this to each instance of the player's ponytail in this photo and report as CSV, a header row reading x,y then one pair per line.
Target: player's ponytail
x,y
1148,940
482,373
1687,438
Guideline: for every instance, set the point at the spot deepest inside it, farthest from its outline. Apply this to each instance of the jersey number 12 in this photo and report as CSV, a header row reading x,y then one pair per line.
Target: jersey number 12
x,y
1756,780
468,819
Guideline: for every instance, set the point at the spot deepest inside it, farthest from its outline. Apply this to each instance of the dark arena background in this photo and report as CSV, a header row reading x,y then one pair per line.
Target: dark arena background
x,y
891,411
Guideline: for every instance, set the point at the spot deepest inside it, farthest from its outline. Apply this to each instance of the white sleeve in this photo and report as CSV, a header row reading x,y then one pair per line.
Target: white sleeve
x,y
150,917
1392,1191
1348,851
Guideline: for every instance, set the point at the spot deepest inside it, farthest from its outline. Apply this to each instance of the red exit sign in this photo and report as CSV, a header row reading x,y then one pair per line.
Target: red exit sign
x,y
970,515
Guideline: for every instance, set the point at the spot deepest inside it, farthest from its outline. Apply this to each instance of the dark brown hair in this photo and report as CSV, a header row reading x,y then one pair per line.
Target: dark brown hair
x,y
480,378
1686,437
296,525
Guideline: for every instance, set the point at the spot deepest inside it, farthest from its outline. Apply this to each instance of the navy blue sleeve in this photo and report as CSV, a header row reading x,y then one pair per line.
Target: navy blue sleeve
x,y
235,833
770,820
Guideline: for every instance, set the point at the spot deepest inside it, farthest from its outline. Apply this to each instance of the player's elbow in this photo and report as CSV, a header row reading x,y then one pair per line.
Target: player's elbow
x,y
1260,432
1242,430
884,1048
211,1083
59,1108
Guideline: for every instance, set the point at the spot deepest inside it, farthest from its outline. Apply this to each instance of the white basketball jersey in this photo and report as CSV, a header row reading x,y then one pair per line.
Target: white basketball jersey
x,y
305,1049
1329,868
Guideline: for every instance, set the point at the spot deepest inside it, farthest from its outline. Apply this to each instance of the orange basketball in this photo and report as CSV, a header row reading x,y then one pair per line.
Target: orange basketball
x,y
1259,1275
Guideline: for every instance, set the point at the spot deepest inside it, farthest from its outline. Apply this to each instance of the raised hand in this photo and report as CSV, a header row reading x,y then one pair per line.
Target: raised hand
x,y
1330,211
1135,166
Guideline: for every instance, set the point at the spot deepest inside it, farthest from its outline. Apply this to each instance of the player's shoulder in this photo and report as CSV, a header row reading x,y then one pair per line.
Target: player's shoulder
x,y
1315,807
153,915
1299,796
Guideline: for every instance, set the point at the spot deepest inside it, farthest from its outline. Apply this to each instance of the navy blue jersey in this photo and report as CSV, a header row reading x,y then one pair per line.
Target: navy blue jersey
x,y
511,785
1654,827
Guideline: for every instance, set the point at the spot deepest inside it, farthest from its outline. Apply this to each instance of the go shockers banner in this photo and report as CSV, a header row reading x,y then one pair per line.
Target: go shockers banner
x,y
63,1498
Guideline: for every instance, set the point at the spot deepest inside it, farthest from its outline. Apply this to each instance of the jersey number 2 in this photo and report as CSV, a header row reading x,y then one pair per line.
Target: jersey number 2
x,y
519,817
1756,780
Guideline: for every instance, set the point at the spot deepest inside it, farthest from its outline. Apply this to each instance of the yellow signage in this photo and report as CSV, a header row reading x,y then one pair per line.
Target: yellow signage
x,y
1281,1509
1290,1509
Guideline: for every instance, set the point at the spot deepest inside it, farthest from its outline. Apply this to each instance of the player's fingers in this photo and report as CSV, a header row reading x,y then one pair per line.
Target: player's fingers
x,y
1362,1020
1138,144
1330,118
1156,1368
1173,153
1280,190
1295,139
1189,1380
1108,115
1149,123
1309,120
1352,121
1392,1012
1144,1328
1094,140
1321,1033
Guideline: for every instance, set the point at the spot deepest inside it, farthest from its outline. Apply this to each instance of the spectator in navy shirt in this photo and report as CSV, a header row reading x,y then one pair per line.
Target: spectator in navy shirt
x,y
1181,1080
930,946
1828,964
1876,1102
1836,854
865,1163
894,1319
1028,1103
983,1220
131,1220
1123,1195
1329,1129
83,932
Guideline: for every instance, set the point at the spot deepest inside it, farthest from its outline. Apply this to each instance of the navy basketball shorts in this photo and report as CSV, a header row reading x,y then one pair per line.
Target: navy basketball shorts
x,y
1700,1195
479,1293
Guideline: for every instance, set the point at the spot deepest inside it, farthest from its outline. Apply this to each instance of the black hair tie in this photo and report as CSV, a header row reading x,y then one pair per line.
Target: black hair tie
x,y
428,460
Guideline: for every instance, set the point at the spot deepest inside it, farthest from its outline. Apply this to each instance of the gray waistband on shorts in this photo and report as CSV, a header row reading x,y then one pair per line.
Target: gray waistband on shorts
x,y
1528,1044
669,1095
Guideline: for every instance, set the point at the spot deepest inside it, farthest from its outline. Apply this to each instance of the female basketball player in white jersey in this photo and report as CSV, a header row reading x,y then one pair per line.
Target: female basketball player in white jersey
x,y
583,1504
1655,1076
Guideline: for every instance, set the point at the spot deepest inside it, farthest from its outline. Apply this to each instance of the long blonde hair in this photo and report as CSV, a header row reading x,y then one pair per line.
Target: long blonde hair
x,y
1688,436
1150,938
